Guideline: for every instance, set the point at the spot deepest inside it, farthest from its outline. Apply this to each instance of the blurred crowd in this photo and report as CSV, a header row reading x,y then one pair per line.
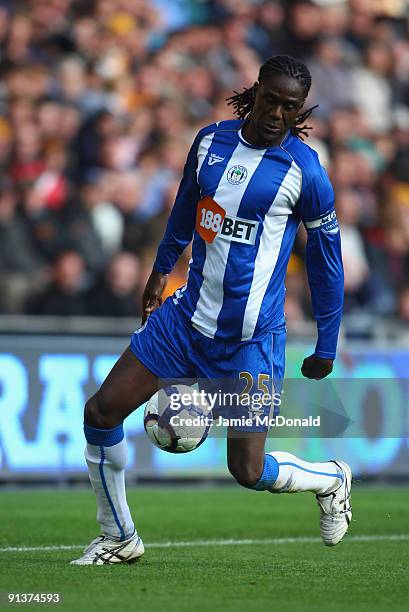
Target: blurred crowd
x,y
101,99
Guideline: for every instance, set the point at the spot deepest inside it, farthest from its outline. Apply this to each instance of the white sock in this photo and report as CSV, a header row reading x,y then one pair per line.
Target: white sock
x,y
295,475
106,467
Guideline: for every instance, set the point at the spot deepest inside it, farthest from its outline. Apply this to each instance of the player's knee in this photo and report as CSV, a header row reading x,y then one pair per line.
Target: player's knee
x,y
246,474
98,413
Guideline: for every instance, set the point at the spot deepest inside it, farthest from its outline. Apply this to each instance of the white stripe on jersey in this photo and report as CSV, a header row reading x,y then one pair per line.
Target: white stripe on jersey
x,y
229,196
202,151
274,226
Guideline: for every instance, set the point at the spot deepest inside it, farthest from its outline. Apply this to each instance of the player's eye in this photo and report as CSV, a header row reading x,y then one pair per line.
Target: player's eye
x,y
271,99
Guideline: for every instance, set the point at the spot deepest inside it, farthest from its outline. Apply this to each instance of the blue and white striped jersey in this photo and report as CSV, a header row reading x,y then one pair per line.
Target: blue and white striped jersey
x,y
242,205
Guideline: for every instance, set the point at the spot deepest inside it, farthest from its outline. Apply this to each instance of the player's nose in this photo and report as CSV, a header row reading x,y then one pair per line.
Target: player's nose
x,y
276,112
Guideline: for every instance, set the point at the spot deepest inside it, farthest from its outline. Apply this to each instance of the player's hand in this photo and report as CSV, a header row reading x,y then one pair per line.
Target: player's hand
x,y
152,296
316,367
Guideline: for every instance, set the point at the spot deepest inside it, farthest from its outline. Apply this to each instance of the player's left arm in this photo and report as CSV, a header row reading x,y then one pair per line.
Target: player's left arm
x,y
324,269
178,234
181,222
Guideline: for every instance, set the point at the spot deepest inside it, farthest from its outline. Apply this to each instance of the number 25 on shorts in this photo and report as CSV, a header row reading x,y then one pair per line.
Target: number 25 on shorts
x,y
209,219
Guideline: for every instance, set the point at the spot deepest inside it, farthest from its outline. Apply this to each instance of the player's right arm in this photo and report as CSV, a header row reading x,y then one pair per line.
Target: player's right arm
x,y
178,234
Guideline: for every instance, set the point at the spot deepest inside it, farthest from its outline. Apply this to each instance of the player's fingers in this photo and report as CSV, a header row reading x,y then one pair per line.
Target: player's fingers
x,y
147,309
149,302
150,306
311,373
305,372
306,368
144,317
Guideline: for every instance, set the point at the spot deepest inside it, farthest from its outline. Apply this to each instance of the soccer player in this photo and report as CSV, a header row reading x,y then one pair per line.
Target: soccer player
x,y
247,185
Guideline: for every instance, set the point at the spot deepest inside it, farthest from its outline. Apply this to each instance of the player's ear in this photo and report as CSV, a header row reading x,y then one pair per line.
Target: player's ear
x,y
254,89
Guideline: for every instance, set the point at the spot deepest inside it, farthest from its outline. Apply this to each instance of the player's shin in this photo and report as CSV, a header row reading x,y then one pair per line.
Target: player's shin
x,y
106,456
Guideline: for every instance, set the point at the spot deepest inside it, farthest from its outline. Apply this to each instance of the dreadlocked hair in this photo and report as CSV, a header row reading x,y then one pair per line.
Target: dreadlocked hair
x,y
243,102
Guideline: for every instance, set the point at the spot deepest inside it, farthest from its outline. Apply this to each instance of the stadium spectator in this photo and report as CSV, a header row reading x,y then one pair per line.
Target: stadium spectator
x,y
404,305
120,292
21,269
66,295
105,218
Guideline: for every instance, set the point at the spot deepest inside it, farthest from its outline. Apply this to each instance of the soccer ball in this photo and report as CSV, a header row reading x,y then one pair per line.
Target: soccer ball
x,y
177,419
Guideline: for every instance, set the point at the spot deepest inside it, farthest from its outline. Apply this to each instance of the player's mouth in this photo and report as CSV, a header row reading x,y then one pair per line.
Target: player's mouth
x,y
271,129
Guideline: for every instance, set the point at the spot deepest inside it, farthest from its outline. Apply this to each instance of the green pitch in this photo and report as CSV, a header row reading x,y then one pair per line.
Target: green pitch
x,y
281,566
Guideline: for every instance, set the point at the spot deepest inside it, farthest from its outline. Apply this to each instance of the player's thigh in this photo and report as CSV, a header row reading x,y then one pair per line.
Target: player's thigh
x,y
128,385
245,454
156,354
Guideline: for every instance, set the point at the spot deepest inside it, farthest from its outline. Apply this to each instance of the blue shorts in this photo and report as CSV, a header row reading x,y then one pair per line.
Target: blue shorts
x,y
172,349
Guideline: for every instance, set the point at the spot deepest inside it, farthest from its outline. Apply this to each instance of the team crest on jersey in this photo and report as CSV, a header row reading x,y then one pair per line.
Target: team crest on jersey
x,y
236,175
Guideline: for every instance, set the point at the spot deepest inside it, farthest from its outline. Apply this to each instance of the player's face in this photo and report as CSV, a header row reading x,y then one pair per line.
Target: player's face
x,y
277,103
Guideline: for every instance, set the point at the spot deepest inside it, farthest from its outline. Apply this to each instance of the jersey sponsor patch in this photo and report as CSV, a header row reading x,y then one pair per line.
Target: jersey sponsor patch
x,y
328,224
209,218
237,229
212,221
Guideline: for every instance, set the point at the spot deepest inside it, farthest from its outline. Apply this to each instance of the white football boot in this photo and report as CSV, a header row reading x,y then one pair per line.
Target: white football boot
x,y
104,550
335,509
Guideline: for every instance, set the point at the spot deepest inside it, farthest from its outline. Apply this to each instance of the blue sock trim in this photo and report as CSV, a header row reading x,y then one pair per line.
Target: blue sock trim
x,y
312,471
104,484
104,437
269,474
